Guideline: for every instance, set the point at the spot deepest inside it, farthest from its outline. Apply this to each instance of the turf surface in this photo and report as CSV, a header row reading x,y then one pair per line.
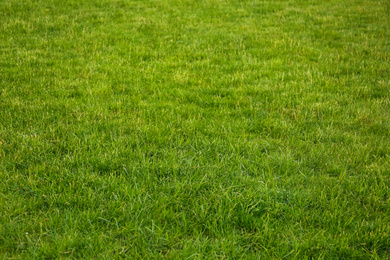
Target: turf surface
x,y
194,129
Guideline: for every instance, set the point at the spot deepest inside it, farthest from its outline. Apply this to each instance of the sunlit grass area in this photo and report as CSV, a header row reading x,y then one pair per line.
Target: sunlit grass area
x,y
194,129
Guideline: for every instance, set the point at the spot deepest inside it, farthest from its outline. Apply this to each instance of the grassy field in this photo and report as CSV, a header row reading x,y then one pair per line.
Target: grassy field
x,y
188,129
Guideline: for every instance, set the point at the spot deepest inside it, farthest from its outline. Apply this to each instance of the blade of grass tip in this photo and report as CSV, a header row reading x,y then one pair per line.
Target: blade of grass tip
x,y
303,174
288,254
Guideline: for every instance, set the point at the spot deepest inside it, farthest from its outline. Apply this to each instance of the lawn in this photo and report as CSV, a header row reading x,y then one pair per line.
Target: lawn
x,y
194,129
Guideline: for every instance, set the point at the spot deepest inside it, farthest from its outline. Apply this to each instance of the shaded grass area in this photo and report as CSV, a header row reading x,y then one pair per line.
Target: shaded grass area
x,y
194,129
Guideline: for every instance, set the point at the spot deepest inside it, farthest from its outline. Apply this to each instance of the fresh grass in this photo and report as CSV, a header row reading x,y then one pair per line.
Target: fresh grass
x,y
194,129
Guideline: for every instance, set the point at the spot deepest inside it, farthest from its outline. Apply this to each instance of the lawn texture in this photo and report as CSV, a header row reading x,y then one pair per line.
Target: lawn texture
x,y
194,129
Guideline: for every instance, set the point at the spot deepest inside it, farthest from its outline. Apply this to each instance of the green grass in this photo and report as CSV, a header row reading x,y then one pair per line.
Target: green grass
x,y
194,129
